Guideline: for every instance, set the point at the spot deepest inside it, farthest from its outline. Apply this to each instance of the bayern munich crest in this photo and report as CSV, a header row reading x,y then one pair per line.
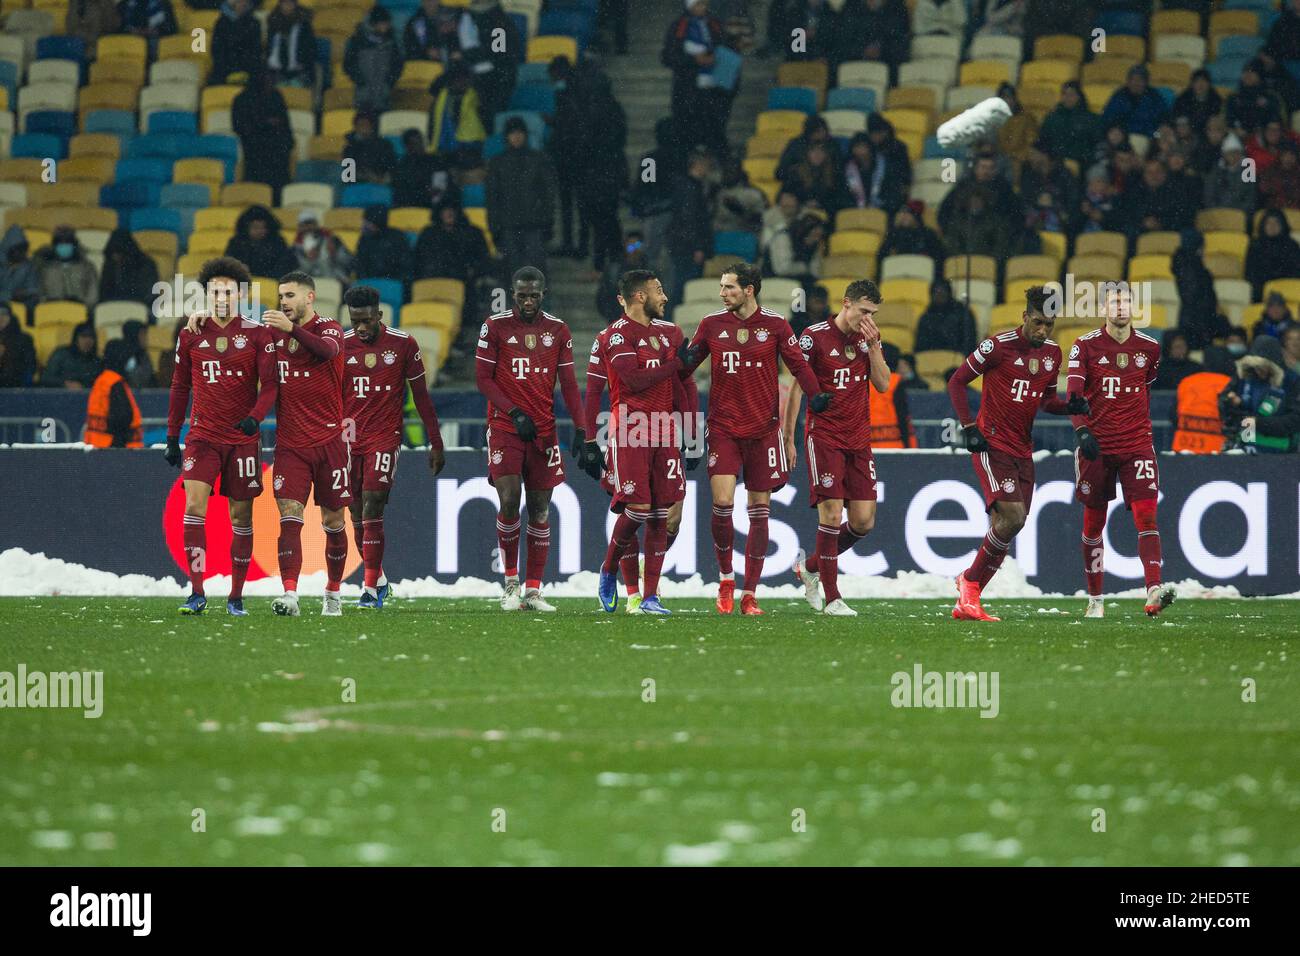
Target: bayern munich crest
x,y
1085,487
1048,363
547,340
390,357
279,482
629,487
713,458
1140,360
760,335
189,464
827,480
1008,485
497,456
240,341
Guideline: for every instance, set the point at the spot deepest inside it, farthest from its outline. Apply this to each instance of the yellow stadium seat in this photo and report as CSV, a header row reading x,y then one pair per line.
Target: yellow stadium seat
x,y
439,290
780,121
409,218
38,239
190,264
761,146
1038,98
343,218
158,242
1122,45
218,218
1059,46
181,47
1064,335
95,144
1099,94
327,147
1175,21
811,73
1223,266
1149,267
849,264
546,48
209,242
1054,245
835,286
1022,267
477,216
1229,243
246,194
770,189
219,97
902,339
21,170
1154,315
419,74
937,361
1013,290
1101,244
1292,220
760,168
1111,71
1290,288
1175,74
864,220
1096,268
128,72
921,98
1049,73
60,313
852,240
1008,315
1163,243
1221,220
296,97
985,73
908,121
122,46
914,291
336,122
981,267
441,315
69,194
899,312
1228,22
47,338
210,172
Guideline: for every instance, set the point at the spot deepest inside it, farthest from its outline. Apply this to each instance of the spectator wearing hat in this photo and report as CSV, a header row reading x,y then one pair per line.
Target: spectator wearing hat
x,y
946,323
129,274
1199,101
373,60
19,281
374,156
290,45
382,251
520,200
17,351
700,109
236,42
75,365
1140,108
260,118
320,253
1272,254
1275,319
1225,186
1279,184
1260,407
909,235
1253,104
64,270
1071,130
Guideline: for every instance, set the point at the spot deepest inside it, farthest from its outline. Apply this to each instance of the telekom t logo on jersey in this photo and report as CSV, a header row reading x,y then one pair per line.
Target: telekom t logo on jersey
x,y
841,377
362,385
211,370
1110,385
730,362
1019,389
521,366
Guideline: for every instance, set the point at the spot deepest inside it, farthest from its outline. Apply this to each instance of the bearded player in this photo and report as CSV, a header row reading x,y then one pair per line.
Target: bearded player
x,y
1019,370
521,355
593,460
1113,368
229,367
845,353
638,356
743,432
380,362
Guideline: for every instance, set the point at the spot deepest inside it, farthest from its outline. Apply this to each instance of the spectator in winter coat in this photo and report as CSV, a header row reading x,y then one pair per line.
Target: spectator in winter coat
x,y
90,20
946,323
257,243
1265,147
816,18
1198,314
908,235
690,231
1140,108
494,65
373,60
382,251
797,252
422,179
891,169
1175,365
431,33
1225,186
813,179
290,46
1279,185
151,19
878,30
520,200
260,118
815,131
1263,400
700,109
457,118
740,205
320,253
19,281
75,365
17,352
236,42
375,157
1272,254
1253,105
1275,319
1071,130
65,271
129,275
451,247
135,363
1199,101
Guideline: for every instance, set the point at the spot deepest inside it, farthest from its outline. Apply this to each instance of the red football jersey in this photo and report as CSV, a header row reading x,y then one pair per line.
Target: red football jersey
x,y
527,357
1116,379
651,345
1017,376
310,408
744,390
223,369
374,386
842,364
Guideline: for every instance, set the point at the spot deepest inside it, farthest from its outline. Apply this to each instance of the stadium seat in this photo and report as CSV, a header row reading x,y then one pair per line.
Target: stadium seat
x,y
543,49
60,313
981,267
863,73
443,290
397,122
933,363
737,244
899,313
473,194
845,264
866,220
1020,267
246,194
1221,220
409,218
217,219
915,291
1228,243
431,314
315,196
1102,243
995,48
907,267
56,47
434,345
963,97
985,73
534,97
172,121
156,242
1096,267
1152,243
799,98
130,195
846,123
1149,267
37,146
141,220
780,121
360,195
55,71
390,291
851,98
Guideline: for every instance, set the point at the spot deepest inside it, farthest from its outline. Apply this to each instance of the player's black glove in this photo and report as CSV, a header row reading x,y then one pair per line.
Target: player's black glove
x,y
248,425
691,461
1077,405
173,452
975,440
593,462
579,439
820,402
688,356
524,426
1088,443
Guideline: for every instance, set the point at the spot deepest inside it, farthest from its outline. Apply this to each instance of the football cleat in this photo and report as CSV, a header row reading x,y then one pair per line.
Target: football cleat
x,y
332,604
633,604
370,600
510,599
838,608
1159,597
650,605
607,590
749,605
286,606
811,581
235,607
1096,608
194,604
727,596
384,592
533,601
968,607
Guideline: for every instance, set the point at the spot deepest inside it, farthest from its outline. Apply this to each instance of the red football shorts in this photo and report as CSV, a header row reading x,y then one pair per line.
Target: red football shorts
x,y
373,470
325,468
538,462
760,460
234,471
1094,481
1004,477
844,473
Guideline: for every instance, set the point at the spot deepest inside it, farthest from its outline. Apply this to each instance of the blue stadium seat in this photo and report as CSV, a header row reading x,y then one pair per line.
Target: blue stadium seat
x,y
1167,95
361,195
173,121
851,98
169,146
58,122
150,170
191,195
529,73
390,292
1259,6
1266,20
317,171
538,97
536,125
1239,47
1126,22
792,98
61,48
137,194
168,220
9,79
578,23
474,194
1226,71
520,21
742,244
218,146
110,121
395,140
38,146
932,150
494,145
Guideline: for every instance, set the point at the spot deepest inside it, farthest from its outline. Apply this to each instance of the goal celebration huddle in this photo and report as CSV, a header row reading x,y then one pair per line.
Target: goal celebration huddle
x,y
339,399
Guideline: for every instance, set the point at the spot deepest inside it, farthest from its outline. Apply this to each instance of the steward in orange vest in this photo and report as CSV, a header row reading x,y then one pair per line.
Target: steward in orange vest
x,y
112,416
1198,427
891,423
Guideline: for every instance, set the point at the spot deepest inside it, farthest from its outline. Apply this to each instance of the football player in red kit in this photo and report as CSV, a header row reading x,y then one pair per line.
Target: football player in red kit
x,y
229,366
638,355
1113,368
379,363
745,342
1019,370
521,355
845,354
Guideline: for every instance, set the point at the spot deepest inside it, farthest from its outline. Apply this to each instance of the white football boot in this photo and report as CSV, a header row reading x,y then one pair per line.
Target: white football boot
x,y
838,608
332,605
510,601
286,606
1159,597
811,581
1096,608
533,601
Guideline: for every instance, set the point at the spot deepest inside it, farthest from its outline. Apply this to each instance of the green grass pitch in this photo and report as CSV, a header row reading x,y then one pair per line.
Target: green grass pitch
x,y
477,738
